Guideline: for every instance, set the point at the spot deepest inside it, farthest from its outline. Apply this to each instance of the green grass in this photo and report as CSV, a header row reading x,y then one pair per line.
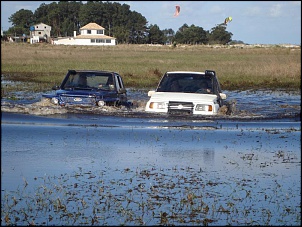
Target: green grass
x,y
141,66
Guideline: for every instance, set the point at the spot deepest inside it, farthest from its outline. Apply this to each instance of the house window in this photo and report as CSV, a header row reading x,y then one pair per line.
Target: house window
x,y
88,31
92,40
100,32
100,40
39,33
108,40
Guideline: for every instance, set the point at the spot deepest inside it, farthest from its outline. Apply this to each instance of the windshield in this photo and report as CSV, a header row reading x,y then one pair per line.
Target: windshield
x,y
89,80
189,83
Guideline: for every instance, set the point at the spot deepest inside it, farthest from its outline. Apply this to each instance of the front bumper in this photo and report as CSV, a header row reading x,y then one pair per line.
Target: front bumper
x,y
80,100
174,107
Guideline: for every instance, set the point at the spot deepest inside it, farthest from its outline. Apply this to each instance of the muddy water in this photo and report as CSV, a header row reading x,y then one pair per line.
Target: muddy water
x,y
260,104
125,167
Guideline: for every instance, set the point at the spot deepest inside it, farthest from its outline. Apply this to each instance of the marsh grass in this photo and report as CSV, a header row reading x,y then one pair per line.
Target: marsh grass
x,y
142,66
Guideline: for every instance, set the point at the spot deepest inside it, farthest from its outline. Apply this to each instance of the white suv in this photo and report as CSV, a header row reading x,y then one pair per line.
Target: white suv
x,y
186,92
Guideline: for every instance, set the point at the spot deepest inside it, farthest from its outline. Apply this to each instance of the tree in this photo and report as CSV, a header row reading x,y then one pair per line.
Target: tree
x,y
120,27
49,14
121,34
191,35
138,34
156,36
68,12
21,21
169,35
219,35
118,20
179,36
195,35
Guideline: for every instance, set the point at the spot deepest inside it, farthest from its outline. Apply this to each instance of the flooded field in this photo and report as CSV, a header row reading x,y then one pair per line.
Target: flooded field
x,y
260,104
118,166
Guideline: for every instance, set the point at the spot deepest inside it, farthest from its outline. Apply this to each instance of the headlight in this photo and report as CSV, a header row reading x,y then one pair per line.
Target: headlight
x,y
157,105
101,103
203,107
55,100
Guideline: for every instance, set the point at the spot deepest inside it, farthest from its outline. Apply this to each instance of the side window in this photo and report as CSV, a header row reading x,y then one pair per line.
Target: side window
x,y
217,85
70,81
119,82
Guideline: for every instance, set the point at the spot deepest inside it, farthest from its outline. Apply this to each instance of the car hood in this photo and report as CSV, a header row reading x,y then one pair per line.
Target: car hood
x,y
82,92
182,97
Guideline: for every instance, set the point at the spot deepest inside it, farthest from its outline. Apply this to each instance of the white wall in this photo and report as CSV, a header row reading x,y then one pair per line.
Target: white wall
x,y
34,39
73,41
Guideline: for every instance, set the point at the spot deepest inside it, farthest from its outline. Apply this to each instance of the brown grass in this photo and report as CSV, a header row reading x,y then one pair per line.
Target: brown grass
x,y
142,66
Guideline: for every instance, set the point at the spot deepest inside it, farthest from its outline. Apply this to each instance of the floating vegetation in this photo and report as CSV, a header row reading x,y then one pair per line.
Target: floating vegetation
x,y
150,196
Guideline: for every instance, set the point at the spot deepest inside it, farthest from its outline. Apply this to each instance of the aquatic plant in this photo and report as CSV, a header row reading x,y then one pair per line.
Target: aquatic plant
x,y
149,196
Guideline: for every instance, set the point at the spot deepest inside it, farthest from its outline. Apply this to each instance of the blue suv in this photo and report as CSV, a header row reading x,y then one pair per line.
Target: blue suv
x,y
90,88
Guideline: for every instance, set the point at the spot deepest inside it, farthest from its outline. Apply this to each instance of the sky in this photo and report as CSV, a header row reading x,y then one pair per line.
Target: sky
x,y
254,22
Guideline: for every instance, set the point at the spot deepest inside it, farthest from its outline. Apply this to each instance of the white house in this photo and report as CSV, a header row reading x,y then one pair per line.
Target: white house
x,y
40,32
91,34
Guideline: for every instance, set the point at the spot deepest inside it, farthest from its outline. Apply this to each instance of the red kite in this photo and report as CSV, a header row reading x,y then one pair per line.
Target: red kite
x,y
177,10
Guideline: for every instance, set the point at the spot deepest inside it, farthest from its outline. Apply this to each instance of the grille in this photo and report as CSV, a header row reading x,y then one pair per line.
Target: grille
x,y
78,100
180,107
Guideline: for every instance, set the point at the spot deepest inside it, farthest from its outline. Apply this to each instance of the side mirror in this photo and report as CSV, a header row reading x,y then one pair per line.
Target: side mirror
x,y
56,87
150,93
122,90
222,96
210,72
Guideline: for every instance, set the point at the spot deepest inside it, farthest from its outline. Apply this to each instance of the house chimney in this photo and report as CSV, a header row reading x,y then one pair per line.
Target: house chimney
x,y
74,33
